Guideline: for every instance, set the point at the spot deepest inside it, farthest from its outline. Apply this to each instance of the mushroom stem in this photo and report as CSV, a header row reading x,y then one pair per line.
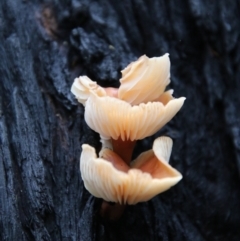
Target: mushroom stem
x,y
111,211
124,149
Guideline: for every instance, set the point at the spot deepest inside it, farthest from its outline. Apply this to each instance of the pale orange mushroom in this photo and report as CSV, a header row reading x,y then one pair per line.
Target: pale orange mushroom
x,y
145,79
114,118
111,179
139,108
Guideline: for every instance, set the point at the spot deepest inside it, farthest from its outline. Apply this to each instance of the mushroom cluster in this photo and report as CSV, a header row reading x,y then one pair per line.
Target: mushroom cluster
x,y
134,111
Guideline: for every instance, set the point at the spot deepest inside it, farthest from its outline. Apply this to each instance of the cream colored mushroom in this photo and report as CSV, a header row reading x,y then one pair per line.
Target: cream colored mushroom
x,y
82,88
145,79
138,109
111,179
114,118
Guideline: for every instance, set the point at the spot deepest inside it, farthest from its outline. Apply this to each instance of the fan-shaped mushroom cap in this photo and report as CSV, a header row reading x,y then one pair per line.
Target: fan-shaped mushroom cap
x,y
111,179
145,79
83,86
114,118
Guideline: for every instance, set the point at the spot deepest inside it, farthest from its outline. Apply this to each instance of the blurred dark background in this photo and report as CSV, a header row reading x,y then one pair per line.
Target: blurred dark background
x,y
44,45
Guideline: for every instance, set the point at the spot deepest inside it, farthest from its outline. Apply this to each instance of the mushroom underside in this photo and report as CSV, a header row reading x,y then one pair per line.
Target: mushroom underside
x,y
111,179
114,118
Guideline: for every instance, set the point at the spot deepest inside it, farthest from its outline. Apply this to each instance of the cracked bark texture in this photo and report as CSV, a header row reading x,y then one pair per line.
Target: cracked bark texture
x,y
44,45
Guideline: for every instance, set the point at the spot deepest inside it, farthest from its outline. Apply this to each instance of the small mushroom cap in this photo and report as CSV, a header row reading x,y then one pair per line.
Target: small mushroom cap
x,y
145,79
114,118
111,179
82,88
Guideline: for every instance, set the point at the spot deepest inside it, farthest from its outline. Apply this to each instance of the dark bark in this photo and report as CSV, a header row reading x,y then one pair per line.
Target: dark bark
x,y
45,44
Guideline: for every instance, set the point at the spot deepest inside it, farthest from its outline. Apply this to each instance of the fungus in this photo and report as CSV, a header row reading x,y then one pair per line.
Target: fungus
x,y
82,88
111,179
114,118
145,79
137,109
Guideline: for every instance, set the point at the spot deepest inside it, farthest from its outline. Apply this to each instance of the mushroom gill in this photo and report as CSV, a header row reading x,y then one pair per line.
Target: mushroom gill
x,y
114,118
113,180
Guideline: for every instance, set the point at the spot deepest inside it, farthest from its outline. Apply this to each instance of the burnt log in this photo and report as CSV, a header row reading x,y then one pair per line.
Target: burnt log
x,y
44,45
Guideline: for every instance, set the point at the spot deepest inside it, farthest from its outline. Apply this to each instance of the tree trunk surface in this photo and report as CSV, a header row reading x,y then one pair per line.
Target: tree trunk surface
x,y
44,45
